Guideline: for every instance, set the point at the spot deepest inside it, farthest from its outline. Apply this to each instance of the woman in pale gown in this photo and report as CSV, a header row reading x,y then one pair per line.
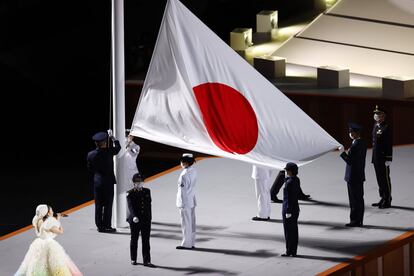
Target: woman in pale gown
x,y
46,257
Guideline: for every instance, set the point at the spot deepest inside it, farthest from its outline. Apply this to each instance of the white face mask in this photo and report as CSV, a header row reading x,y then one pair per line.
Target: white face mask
x,y
376,118
137,185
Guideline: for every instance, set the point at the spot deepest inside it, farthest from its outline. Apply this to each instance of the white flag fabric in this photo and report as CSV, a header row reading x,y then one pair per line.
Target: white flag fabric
x,y
199,94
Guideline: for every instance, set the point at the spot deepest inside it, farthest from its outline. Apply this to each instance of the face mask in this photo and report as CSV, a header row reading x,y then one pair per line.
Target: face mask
x,y
376,117
137,185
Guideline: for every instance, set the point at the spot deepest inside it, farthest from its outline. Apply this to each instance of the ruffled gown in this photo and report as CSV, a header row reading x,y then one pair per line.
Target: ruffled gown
x,y
46,257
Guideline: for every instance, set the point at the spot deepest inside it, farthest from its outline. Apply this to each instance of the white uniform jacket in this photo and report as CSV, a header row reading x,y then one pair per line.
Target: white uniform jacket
x,y
186,188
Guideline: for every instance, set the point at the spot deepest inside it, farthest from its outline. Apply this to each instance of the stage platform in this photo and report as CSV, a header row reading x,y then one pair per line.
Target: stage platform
x,y
228,241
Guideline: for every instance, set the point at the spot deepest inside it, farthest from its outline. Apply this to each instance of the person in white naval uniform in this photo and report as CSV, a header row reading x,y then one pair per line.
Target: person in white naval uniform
x,y
130,157
186,201
261,178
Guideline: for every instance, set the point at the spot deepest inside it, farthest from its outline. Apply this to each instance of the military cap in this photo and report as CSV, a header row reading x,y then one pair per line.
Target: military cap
x,y
353,127
379,109
100,136
137,178
291,167
188,158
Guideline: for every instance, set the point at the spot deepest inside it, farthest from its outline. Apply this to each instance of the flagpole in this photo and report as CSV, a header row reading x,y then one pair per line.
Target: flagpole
x,y
118,95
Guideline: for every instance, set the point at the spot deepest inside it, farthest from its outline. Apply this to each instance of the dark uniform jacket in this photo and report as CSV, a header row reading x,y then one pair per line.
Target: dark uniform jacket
x,y
381,143
355,161
101,164
139,204
290,195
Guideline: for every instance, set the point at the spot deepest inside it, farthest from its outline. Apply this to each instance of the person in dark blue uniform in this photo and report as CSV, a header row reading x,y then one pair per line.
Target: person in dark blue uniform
x,y
139,219
101,164
278,183
382,156
290,209
355,174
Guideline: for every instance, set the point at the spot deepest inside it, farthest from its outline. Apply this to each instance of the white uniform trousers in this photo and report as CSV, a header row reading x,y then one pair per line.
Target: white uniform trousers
x,y
188,226
263,197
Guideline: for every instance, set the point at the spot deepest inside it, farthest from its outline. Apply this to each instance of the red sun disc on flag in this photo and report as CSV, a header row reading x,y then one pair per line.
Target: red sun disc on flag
x,y
228,116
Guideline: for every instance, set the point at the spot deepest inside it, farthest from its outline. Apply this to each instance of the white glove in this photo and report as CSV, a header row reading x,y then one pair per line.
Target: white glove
x,y
341,149
135,219
288,215
110,133
387,163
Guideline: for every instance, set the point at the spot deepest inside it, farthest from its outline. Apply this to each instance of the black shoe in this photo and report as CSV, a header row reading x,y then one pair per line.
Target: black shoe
x,y
107,230
182,247
304,197
277,200
193,247
378,203
134,263
354,224
260,219
148,264
385,205
288,255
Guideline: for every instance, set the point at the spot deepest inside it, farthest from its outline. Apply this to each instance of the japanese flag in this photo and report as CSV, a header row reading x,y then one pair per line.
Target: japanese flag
x,y
199,94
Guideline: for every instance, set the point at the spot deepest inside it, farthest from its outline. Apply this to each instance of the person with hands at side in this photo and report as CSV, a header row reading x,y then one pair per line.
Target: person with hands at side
x,y
186,201
290,209
382,156
139,219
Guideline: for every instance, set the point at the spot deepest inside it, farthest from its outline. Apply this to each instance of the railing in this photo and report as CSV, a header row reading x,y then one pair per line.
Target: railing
x,y
394,258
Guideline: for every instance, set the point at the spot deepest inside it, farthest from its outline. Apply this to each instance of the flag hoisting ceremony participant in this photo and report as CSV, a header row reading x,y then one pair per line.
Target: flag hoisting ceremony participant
x,y
186,201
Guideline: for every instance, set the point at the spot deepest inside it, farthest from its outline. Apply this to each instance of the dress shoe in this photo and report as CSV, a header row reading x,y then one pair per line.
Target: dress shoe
x,y
288,255
183,247
385,205
304,197
134,263
354,224
277,200
107,230
260,219
148,264
377,203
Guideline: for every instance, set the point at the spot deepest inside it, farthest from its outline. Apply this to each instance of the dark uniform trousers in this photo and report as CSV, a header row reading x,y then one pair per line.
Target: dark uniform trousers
x,y
356,201
381,152
384,181
145,229
355,177
104,197
290,227
139,205
100,163
291,206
